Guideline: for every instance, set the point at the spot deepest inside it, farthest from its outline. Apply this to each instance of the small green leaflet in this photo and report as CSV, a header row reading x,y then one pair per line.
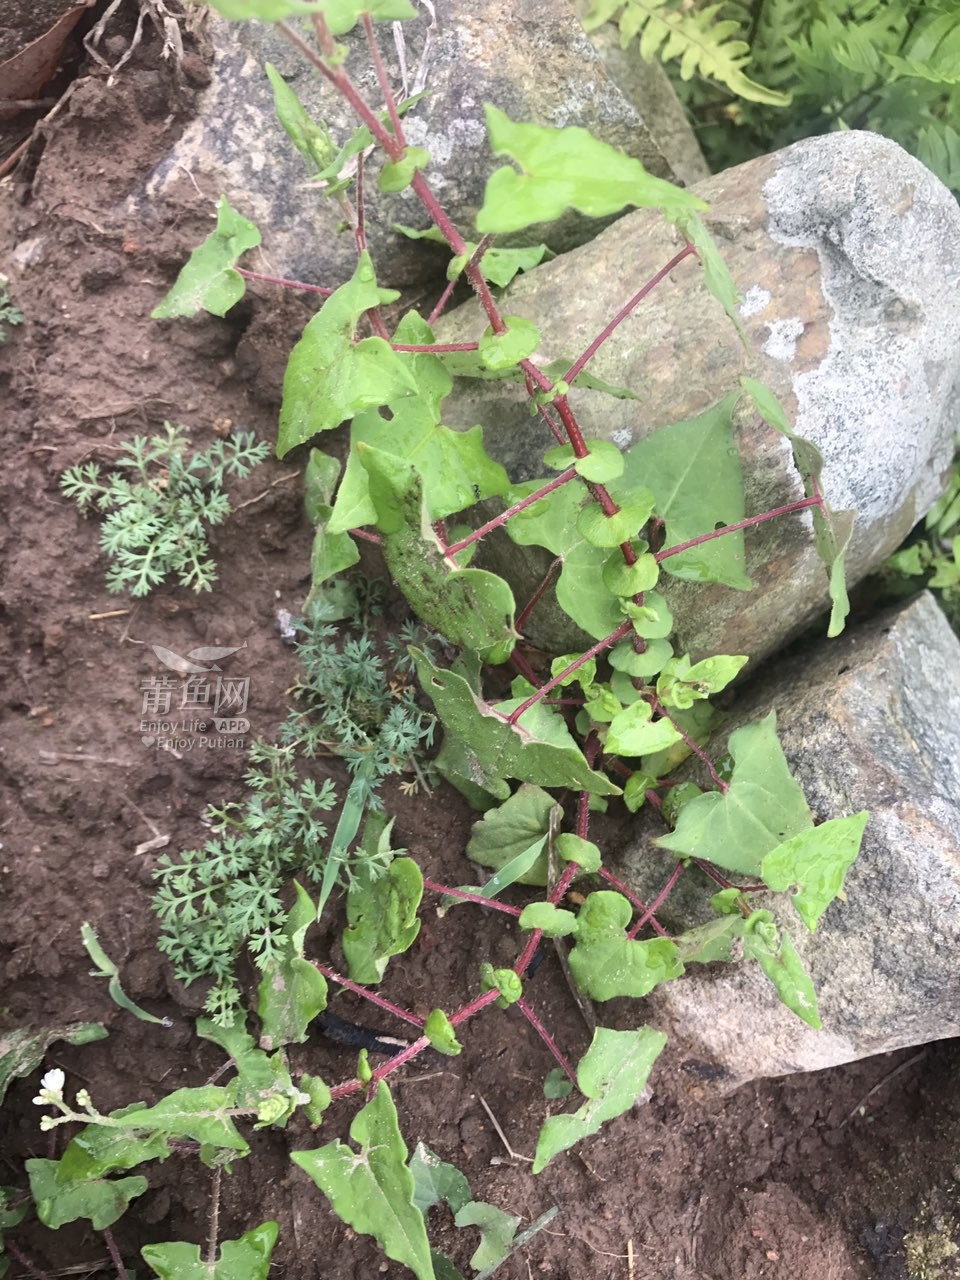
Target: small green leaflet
x,y
557,1084
633,733
341,15
605,963
778,959
372,1191
207,281
101,1200
499,266
695,474
553,523
439,1030
518,826
715,273
764,806
561,168
711,941
381,917
454,467
518,341
435,1181
396,175
816,861
21,1051
311,139
552,921
681,683
831,529
292,991
470,607
507,981
573,848
107,969
540,749
497,1230
245,1259
329,376
611,1075
604,461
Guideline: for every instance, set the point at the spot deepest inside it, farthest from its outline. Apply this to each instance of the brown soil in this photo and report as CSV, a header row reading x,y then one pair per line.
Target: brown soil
x,y
786,1180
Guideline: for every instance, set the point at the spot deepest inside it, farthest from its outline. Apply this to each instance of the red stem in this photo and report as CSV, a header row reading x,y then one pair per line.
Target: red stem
x,y
372,996
658,901
441,302
15,1252
546,1037
564,478
559,678
367,536
382,77
718,878
637,902
287,284
114,1254
538,594
465,896
694,746
789,509
600,339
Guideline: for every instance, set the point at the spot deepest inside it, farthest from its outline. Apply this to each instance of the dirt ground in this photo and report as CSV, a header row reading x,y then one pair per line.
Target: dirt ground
x,y
815,1177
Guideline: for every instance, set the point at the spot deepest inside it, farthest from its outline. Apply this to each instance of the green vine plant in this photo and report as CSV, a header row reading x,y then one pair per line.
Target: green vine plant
x,y
159,505
756,75
931,556
611,724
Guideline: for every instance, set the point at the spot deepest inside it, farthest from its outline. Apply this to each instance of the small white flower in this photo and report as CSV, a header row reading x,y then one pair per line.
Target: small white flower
x,y
51,1088
83,1099
47,1123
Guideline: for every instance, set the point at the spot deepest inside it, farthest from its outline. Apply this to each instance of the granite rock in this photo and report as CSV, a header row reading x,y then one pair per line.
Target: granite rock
x,y
847,253
531,58
870,721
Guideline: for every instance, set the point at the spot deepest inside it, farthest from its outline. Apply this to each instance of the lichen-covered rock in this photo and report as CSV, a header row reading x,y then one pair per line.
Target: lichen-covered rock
x,y
531,58
847,253
870,721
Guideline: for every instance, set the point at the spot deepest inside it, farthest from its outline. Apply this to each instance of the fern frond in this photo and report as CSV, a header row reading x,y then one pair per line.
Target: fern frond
x,y
933,52
703,44
938,147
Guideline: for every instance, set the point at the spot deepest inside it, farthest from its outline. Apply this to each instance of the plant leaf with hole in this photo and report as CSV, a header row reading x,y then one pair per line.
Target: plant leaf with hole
x,y
831,529
330,376
497,1230
564,168
100,1200
292,991
540,749
694,471
372,1190
21,1051
381,917
778,959
815,861
611,1075
514,829
245,1259
605,963
763,807
207,281
470,607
